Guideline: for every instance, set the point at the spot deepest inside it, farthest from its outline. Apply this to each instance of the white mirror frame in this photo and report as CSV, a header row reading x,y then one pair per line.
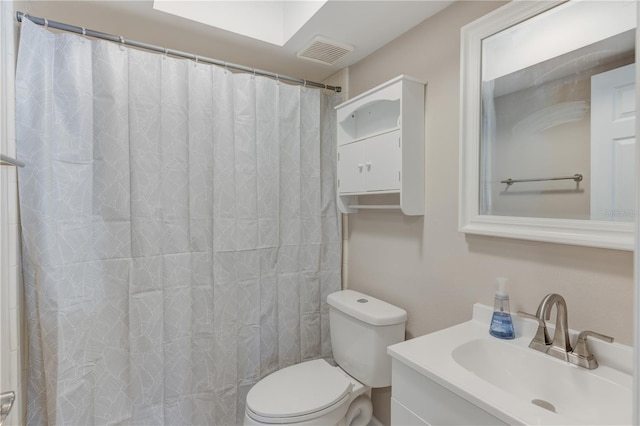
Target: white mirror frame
x,y
612,235
636,258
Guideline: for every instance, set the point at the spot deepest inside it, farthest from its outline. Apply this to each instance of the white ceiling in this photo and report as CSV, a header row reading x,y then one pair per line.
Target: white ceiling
x,y
367,25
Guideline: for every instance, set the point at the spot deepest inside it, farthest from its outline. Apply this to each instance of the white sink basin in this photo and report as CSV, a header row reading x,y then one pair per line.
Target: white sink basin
x,y
519,385
551,384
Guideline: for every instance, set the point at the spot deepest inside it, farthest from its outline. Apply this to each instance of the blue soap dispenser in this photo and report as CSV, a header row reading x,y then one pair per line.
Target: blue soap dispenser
x,y
501,322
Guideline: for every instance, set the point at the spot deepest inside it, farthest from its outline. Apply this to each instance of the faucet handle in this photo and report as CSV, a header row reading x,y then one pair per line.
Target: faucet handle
x,y
541,339
588,333
531,316
582,349
581,353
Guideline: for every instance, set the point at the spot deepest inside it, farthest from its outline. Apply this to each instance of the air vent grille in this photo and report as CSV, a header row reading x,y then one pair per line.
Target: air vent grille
x,y
325,51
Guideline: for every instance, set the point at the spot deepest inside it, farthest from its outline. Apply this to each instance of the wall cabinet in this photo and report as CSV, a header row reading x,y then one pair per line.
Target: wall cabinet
x,y
370,165
381,146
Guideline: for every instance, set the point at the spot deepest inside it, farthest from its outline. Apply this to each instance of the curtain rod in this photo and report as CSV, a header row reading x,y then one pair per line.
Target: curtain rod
x,y
118,39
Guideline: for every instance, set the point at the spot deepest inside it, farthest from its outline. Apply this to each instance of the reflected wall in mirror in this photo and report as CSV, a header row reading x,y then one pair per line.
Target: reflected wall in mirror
x,y
560,111
548,123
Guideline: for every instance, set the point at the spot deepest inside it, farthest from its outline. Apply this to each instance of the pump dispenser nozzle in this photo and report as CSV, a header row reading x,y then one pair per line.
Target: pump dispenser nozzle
x,y
502,287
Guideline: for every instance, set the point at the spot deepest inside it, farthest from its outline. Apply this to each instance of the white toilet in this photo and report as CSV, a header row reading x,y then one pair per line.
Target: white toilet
x,y
317,393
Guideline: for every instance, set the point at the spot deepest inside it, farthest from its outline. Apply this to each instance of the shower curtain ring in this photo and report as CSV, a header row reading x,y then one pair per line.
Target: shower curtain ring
x,y
84,32
196,64
166,52
46,23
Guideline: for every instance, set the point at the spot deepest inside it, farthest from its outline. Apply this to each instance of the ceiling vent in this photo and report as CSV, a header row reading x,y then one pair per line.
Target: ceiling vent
x,y
321,49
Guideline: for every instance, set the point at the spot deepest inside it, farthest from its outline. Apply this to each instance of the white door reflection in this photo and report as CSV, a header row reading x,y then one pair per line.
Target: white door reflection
x,y
613,112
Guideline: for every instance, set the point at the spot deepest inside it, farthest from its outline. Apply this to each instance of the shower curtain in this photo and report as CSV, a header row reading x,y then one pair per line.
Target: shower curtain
x,y
180,232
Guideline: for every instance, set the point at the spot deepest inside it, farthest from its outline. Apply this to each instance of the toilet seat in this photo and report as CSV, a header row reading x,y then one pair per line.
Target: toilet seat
x,y
298,393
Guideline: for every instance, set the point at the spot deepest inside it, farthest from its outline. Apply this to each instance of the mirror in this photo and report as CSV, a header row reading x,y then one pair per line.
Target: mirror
x,y
547,147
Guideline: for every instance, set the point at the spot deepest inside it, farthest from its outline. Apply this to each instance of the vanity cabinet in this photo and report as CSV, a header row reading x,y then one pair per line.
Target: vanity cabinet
x,y
381,147
418,400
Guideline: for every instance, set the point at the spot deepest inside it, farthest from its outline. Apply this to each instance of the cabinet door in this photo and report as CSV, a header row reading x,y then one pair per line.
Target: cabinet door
x,y
383,162
401,415
351,168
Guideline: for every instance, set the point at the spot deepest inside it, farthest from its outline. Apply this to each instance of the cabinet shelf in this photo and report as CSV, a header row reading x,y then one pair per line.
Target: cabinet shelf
x,y
381,132
372,117
380,139
375,206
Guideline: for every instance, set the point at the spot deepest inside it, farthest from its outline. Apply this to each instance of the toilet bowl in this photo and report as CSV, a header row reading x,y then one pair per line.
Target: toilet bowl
x,y
318,393
309,393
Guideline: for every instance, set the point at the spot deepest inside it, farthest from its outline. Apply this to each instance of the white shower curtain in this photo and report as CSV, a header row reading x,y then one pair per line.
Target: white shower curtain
x,y
180,232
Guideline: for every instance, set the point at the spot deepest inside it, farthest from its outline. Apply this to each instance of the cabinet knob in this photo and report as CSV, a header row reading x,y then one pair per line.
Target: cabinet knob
x,y
368,165
360,166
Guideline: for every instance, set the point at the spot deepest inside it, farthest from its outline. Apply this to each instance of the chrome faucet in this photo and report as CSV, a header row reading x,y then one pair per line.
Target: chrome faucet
x,y
560,346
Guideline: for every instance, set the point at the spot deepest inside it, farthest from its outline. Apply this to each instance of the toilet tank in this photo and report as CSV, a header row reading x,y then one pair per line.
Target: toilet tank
x,y
361,329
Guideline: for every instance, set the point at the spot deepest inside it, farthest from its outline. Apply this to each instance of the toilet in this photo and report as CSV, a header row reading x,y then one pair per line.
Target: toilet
x,y
318,393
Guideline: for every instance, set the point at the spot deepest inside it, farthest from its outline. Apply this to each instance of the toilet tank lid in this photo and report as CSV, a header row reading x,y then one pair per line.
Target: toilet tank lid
x,y
366,308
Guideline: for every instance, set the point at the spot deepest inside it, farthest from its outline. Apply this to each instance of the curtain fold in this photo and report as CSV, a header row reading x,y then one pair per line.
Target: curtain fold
x,y
180,231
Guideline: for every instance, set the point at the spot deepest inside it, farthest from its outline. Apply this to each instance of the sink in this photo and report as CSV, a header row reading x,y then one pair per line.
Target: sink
x,y
515,384
547,382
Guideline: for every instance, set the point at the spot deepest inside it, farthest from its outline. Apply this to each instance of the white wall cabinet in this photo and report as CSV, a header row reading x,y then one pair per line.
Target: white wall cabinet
x,y
373,164
381,146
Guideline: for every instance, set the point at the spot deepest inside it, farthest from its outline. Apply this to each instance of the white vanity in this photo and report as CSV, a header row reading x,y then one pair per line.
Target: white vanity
x,y
462,375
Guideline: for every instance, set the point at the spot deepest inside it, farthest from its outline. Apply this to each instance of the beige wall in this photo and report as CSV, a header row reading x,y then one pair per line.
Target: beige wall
x,y
423,264
520,152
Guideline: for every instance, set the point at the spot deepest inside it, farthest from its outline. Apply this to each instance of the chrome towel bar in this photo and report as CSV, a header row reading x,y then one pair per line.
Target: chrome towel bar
x,y
577,178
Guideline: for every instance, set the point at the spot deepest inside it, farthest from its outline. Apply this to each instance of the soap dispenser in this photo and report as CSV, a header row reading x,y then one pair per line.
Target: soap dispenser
x,y
501,322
